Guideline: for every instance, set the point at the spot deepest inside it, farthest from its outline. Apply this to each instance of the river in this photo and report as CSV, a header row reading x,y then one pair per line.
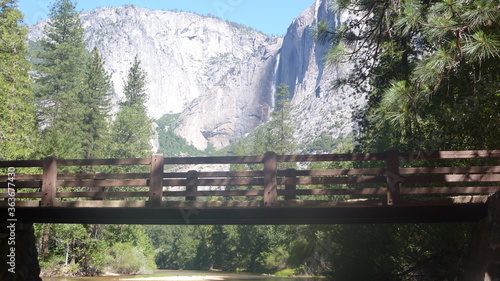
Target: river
x,y
182,275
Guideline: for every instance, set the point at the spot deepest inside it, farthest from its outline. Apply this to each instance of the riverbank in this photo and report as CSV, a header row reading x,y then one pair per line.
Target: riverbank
x,y
168,275
184,275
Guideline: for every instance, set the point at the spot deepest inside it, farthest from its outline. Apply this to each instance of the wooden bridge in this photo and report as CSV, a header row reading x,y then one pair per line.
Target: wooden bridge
x,y
442,186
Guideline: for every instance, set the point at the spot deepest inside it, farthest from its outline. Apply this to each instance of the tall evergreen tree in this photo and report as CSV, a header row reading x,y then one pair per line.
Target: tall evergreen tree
x,y
60,79
17,115
429,69
132,129
95,101
280,132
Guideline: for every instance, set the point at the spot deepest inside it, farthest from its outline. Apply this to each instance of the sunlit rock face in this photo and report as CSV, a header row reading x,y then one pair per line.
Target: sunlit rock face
x,y
221,77
318,108
218,75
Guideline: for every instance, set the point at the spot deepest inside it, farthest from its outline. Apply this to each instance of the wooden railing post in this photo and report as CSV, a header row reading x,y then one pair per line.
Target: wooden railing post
x,y
49,182
393,178
192,184
156,180
290,173
270,181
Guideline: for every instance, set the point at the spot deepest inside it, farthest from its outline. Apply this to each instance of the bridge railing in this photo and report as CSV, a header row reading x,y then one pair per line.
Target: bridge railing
x,y
391,175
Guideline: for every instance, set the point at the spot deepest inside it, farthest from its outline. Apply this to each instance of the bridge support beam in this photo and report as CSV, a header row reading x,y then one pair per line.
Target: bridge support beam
x,y
484,262
18,254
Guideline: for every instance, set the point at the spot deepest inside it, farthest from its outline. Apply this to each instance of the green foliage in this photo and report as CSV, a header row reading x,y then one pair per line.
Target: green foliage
x,y
285,273
400,252
429,69
17,113
175,246
74,104
279,137
172,145
125,258
326,144
60,72
132,128
275,135
95,100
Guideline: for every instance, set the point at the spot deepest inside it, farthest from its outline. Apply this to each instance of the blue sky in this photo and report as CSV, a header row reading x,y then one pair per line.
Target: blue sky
x,y
269,16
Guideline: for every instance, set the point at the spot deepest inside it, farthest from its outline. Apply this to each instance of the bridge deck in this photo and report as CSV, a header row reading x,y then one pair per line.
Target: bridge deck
x,y
452,209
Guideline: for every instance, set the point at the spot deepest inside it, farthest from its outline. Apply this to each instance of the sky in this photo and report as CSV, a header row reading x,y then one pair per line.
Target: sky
x,y
269,16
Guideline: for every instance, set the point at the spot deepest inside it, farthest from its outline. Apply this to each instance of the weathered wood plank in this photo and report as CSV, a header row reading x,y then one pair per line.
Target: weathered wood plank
x,y
438,155
335,172
452,178
332,157
351,191
21,163
332,180
270,182
22,184
49,182
393,179
103,176
23,195
209,193
108,204
215,160
231,174
216,182
101,162
21,177
156,182
451,190
450,170
103,194
192,184
290,173
98,183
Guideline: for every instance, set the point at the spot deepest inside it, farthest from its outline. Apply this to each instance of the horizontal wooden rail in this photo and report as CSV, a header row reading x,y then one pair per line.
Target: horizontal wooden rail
x,y
104,162
333,157
391,174
441,155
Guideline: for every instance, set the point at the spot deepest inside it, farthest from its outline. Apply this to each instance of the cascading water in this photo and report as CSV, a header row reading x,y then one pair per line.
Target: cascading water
x,y
275,78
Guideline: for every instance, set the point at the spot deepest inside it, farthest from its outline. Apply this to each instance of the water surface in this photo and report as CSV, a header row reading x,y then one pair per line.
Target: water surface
x,y
187,275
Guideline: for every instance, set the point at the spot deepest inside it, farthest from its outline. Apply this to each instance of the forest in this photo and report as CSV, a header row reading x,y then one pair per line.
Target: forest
x,y
430,72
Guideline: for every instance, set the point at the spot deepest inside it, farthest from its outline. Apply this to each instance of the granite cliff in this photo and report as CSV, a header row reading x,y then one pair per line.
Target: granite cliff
x,y
220,76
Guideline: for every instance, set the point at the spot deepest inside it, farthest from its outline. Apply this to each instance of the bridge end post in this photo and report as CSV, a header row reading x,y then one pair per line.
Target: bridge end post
x,y
156,180
49,181
393,178
270,179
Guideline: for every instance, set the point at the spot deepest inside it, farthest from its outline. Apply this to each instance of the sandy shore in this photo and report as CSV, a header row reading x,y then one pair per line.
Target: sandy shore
x,y
196,278
180,278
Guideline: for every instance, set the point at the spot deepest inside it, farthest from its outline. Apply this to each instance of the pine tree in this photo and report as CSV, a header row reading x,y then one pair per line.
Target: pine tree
x,y
60,78
280,131
132,129
95,100
430,69
17,114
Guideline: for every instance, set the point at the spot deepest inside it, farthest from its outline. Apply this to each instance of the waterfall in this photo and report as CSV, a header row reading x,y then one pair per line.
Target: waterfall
x,y
275,80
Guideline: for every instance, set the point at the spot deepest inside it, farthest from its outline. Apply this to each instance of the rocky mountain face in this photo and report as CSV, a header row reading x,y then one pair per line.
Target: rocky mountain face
x,y
220,76
318,108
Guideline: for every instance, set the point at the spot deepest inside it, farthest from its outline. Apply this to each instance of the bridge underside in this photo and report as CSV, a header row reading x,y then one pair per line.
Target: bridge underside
x,y
456,209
